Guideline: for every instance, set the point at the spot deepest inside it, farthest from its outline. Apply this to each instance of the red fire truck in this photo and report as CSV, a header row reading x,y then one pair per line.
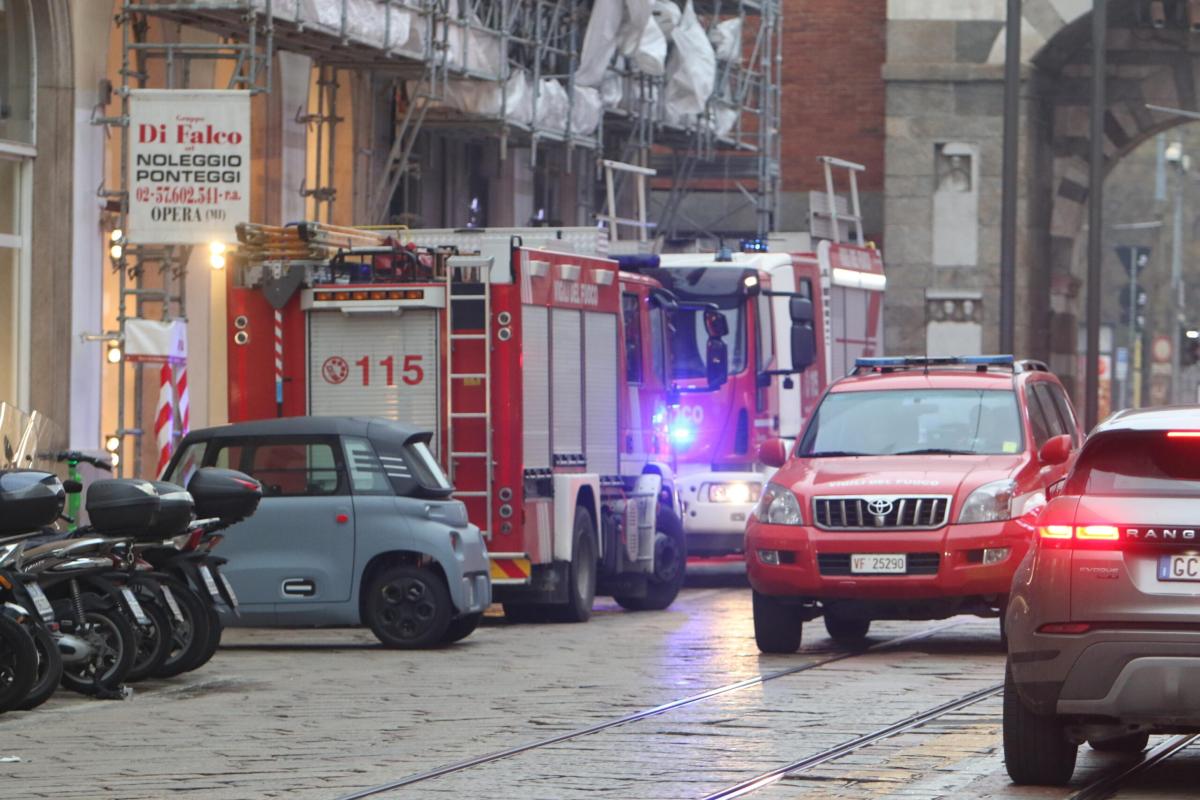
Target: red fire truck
x,y
543,370
796,322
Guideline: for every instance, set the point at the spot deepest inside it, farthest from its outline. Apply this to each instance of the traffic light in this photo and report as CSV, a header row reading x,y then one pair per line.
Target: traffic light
x,y
1189,347
1134,297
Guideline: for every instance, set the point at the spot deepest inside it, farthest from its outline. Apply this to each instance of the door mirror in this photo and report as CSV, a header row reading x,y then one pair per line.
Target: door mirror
x,y
801,309
715,324
1056,450
1055,489
804,346
716,362
773,453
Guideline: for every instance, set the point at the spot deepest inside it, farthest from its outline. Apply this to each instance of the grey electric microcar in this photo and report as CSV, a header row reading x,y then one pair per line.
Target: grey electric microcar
x,y
356,526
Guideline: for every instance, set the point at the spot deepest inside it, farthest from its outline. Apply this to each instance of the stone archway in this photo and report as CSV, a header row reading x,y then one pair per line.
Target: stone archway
x,y
945,88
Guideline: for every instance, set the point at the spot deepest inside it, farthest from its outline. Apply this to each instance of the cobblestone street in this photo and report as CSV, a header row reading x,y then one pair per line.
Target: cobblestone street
x,y
321,714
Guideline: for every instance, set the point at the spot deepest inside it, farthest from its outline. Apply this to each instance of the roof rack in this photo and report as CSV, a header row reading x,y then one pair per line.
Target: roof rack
x,y
887,364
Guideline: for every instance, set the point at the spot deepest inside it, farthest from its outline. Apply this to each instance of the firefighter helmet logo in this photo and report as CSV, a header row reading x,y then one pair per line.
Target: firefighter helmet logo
x,y
335,369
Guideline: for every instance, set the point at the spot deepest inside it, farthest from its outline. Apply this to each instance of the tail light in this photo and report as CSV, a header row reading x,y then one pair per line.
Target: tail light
x,y
1079,535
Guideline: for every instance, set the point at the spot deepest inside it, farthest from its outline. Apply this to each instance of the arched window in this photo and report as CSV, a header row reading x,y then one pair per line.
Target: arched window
x,y
17,75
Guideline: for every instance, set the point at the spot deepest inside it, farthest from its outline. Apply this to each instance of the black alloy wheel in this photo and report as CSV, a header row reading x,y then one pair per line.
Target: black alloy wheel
x,y
190,635
18,663
113,642
49,668
408,607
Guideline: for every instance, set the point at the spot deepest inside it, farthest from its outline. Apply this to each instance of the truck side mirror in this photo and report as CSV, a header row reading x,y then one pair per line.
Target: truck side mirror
x,y
804,338
715,324
716,362
773,452
801,310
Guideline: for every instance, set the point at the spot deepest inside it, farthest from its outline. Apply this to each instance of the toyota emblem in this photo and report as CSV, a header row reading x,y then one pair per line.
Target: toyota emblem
x,y
880,507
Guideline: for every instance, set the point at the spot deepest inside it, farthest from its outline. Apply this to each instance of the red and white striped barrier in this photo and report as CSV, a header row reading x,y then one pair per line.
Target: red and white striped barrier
x,y
278,362
185,404
164,419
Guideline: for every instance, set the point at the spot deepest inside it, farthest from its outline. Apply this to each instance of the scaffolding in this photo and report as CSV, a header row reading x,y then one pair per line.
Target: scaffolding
x,y
249,57
510,71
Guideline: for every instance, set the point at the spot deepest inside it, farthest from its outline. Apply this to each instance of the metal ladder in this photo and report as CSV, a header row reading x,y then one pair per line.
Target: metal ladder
x,y
830,212
610,218
474,272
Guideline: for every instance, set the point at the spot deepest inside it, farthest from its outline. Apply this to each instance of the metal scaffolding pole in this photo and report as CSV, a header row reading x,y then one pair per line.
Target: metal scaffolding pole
x,y
1008,209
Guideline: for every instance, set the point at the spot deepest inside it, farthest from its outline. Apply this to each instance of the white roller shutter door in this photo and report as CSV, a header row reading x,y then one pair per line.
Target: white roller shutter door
x,y
535,386
566,354
404,349
600,369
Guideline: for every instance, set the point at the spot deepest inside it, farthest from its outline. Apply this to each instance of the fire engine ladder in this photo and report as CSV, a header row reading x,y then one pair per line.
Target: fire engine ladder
x,y
467,288
830,212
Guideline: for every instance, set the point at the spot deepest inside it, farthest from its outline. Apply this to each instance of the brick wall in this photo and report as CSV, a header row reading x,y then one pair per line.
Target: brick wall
x,y
833,91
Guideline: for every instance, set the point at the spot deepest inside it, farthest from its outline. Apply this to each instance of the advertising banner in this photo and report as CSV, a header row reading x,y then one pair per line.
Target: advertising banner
x,y
155,342
189,165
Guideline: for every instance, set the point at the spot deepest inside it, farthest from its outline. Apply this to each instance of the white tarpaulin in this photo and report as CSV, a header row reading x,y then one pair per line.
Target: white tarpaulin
x,y
726,38
149,340
586,111
599,41
651,55
552,106
667,15
488,99
691,69
189,165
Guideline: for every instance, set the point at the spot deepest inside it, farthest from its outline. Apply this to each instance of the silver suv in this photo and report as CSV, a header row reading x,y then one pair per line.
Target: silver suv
x,y
1104,617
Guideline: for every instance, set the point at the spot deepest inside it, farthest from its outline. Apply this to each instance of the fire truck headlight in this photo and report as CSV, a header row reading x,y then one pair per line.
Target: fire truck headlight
x,y
736,493
682,434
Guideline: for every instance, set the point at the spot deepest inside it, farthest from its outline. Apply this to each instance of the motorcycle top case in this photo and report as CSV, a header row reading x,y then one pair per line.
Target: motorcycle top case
x,y
174,511
224,494
29,499
126,506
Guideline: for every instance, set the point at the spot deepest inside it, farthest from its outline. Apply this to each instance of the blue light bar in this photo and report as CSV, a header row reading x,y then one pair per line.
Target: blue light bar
x,y
895,362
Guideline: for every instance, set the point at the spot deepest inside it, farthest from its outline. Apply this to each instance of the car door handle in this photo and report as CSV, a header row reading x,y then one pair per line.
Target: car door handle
x,y
299,587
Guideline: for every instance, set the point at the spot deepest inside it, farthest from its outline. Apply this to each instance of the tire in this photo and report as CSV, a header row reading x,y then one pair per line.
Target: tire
x,y
18,663
777,628
49,669
461,628
1130,743
154,639
1003,624
581,575
190,638
1036,749
670,567
847,631
116,643
408,607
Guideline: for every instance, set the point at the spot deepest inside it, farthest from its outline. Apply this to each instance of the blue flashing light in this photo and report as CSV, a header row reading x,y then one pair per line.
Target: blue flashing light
x,y
933,361
682,434
754,245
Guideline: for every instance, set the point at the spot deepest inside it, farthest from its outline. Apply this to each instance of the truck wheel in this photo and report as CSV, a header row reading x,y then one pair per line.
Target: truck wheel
x,y
408,607
847,631
462,627
777,628
1036,748
581,577
670,567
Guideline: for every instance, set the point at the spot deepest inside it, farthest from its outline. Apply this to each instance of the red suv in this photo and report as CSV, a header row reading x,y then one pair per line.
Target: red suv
x,y
912,494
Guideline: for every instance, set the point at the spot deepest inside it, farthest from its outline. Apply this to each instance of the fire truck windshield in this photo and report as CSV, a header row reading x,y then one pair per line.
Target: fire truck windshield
x,y
914,422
